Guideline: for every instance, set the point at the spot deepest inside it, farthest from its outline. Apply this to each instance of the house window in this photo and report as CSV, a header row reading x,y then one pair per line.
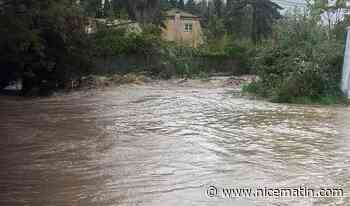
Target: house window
x,y
188,27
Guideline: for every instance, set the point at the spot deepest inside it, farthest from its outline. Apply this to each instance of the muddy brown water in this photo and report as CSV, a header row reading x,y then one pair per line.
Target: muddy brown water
x,y
162,143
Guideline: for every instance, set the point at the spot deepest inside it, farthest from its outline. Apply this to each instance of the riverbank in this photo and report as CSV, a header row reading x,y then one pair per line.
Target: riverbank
x,y
257,90
90,84
240,85
101,82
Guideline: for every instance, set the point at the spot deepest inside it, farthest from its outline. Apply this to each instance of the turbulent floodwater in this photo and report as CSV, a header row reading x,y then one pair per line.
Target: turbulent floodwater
x,y
162,143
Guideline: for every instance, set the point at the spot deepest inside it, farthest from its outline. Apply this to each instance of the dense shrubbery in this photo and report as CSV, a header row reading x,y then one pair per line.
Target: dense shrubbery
x,y
168,58
193,62
301,63
109,41
42,43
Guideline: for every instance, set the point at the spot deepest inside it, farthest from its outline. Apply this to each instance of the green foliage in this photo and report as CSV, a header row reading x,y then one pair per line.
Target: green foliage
x,y
199,62
253,88
264,14
42,43
144,11
181,4
218,7
109,41
113,8
227,47
171,58
330,13
238,19
301,62
173,3
108,10
339,32
216,28
92,8
251,17
177,60
242,18
191,7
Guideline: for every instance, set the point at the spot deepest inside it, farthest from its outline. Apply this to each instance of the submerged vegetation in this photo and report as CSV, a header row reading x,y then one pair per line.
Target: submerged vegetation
x,y
300,64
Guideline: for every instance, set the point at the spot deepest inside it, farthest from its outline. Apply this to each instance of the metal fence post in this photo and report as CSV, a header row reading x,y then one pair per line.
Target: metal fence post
x,y
345,84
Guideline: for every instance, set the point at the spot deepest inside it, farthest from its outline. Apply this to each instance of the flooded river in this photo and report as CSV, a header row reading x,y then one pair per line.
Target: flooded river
x,y
162,143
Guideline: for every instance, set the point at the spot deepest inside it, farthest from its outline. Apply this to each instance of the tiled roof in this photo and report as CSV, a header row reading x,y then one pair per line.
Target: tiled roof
x,y
173,12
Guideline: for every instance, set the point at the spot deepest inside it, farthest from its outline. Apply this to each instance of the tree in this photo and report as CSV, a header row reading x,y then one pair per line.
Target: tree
x,y
258,14
218,7
144,11
173,3
120,9
165,5
92,8
301,64
264,13
216,28
181,4
238,18
204,12
230,4
108,9
42,42
191,7
331,13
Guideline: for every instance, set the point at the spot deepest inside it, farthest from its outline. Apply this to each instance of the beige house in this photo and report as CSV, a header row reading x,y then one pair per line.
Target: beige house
x,y
183,28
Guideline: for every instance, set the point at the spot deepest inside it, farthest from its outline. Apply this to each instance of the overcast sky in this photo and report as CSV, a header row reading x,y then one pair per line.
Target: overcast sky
x,y
290,4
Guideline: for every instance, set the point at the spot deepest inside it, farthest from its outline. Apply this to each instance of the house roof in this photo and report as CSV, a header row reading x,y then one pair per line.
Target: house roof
x,y
182,13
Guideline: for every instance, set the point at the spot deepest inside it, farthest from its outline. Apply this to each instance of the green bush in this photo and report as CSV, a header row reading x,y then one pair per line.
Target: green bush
x,y
179,59
301,62
43,43
109,41
169,58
